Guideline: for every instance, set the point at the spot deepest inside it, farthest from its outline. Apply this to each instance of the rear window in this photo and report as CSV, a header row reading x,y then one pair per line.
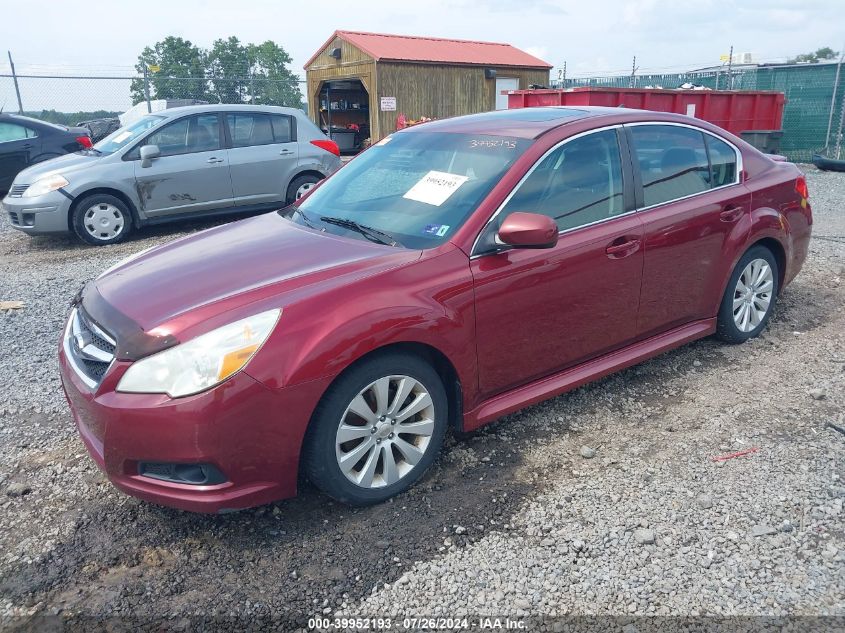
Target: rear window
x,y
673,162
722,161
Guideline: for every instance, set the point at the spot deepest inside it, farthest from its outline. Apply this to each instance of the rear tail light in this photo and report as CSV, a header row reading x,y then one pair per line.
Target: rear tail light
x,y
329,146
801,187
85,141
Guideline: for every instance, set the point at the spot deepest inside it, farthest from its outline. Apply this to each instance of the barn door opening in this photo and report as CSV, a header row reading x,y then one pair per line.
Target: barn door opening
x,y
504,83
345,113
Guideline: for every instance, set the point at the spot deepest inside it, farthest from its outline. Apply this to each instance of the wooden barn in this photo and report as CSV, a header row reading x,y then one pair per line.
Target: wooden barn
x,y
367,80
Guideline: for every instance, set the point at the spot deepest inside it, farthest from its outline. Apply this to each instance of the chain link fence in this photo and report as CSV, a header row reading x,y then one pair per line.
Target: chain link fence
x,y
65,98
810,122
811,115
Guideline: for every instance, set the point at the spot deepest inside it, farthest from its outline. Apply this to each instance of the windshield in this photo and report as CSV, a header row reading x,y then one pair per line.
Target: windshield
x,y
418,188
126,135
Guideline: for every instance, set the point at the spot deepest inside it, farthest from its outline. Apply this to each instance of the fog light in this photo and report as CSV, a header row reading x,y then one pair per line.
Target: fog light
x,y
194,474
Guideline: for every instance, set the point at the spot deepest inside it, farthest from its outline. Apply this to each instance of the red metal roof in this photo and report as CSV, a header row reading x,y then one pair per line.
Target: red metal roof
x,y
434,49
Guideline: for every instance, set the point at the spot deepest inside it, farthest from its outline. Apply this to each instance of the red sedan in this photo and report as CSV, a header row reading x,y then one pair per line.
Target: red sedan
x,y
455,272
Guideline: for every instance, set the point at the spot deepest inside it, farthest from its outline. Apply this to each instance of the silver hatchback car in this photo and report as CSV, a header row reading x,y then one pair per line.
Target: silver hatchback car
x,y
181,163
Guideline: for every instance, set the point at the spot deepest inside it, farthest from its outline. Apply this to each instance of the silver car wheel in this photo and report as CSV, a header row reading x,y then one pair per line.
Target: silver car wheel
x,y
103,221
303,189
385,431
753,295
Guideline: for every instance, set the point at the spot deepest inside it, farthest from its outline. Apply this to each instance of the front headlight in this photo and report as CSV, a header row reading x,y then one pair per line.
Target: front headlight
x,y
202,362
45,185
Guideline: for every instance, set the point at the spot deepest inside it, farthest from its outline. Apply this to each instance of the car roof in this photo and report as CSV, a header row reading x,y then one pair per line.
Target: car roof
x,y
533,122
222,107
28,120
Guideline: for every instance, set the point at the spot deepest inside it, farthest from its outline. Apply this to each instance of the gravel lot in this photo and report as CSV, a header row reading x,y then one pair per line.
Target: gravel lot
x,y
605,501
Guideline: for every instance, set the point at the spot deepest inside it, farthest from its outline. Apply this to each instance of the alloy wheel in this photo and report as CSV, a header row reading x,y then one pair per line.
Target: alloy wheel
x,y
385,431
753,295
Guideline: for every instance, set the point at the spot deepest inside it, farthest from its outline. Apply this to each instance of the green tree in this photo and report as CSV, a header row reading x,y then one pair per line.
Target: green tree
x,y
275,84
813,58
181,71
229,70
252,73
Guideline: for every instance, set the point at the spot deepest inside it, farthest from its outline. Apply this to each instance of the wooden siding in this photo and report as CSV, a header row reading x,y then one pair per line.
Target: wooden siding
x,y
353,64
421,89
441,91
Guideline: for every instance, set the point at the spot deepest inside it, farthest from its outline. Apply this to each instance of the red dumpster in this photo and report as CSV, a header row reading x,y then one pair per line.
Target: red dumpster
x,y
736,111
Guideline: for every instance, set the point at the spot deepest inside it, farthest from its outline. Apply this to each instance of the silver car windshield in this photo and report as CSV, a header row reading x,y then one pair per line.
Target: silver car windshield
x,y
126,135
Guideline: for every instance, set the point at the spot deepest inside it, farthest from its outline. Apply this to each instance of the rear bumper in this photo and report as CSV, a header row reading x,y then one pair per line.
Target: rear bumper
x,y
42,215
250,433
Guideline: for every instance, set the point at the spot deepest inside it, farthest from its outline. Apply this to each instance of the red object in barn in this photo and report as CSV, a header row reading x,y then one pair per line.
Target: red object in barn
x,y
736,111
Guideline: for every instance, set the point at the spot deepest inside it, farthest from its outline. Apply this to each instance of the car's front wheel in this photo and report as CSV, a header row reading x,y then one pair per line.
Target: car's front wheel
x,y
301,186
377,430
750,296
101,219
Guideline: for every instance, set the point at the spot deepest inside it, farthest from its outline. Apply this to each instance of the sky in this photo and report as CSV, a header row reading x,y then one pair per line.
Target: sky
x,y
592,37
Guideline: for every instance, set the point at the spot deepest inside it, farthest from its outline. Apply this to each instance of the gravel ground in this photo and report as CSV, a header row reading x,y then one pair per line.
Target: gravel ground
x,y
605,501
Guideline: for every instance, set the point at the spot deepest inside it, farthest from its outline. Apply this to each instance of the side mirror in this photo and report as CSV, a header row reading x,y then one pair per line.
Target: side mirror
x,y
148,153
528,230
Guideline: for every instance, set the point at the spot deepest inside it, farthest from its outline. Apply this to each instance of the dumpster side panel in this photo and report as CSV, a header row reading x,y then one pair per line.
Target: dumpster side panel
x,y
734,111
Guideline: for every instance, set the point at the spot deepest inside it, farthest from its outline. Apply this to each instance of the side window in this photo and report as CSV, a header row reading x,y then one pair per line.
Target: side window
x,y
187,136
722,162
282,128
579,183
246,130
673,162
14,132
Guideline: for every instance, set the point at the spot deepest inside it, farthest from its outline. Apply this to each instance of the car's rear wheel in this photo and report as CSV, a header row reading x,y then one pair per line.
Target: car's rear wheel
x,y
750,296
101,219
301,186
377,430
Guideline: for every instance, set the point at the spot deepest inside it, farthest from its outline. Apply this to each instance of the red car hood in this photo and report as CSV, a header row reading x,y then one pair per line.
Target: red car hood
x,y
232,265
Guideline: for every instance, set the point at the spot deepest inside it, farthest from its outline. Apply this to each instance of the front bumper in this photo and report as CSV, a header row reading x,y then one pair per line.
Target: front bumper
x,y
249,432
41,215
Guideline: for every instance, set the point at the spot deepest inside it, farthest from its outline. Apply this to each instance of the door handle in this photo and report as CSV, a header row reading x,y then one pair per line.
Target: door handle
x,y
622,247
214,159
731,213
286,152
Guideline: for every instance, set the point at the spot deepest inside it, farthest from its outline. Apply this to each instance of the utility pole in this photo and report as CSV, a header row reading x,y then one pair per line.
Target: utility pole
x,y
633,72
833,98
15,79
730,75
147,88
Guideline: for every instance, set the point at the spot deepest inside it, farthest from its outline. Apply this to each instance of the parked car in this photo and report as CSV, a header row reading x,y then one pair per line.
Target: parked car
x,y
187,162
453,273
98,129
25,141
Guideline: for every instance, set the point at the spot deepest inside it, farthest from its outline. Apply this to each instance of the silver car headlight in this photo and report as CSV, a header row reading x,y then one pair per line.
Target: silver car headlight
x,y
45,185
202,362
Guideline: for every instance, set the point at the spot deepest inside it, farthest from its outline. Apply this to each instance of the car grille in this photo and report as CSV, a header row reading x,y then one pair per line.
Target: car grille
x,y
89,349
17,191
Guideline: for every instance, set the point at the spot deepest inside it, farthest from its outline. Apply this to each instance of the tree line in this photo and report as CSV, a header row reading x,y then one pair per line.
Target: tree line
x,y
229,72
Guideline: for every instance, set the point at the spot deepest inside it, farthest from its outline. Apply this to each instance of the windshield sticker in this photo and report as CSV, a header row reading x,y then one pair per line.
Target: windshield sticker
x,y
122,137
504,143
436,229
435,187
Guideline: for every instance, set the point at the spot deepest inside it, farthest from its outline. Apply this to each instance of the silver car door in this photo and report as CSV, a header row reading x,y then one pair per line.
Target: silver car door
x,y
192,172
263,155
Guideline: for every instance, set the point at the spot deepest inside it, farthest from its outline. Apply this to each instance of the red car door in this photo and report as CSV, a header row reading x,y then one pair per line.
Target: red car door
x,y
692,207
539,311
